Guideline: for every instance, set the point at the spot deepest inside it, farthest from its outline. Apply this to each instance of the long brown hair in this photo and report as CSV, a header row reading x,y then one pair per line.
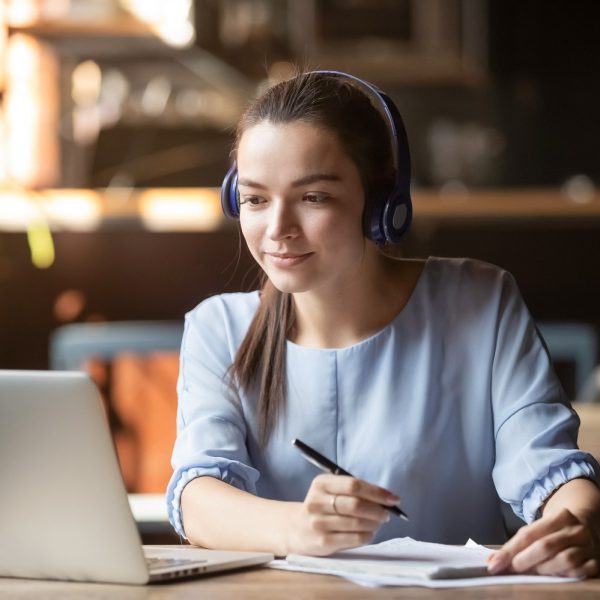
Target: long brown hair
x,y
334,103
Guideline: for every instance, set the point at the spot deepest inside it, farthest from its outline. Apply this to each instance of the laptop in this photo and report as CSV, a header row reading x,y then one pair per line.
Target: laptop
x,y
64,512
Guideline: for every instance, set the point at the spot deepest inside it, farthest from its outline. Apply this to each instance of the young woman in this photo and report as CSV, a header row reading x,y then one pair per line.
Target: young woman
x,y
426,379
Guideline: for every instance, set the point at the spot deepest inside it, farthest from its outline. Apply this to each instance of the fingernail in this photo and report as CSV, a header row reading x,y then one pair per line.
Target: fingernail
x,y
497,563
393,498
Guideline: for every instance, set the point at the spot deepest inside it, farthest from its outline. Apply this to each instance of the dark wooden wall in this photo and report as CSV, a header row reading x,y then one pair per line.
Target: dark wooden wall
x,y
123,275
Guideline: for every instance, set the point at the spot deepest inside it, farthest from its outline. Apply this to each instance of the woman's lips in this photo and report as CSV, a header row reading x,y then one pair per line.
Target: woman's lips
x,y
285,259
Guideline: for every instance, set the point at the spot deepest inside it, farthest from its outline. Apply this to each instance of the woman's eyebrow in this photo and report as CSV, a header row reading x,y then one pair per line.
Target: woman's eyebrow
x,y
250,183
313,178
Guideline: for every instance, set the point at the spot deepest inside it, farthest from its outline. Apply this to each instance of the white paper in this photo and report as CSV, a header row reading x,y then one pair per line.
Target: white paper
x,y
407,562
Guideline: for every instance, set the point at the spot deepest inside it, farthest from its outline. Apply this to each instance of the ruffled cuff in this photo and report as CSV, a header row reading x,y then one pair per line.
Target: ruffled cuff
x,y
557,475
176,488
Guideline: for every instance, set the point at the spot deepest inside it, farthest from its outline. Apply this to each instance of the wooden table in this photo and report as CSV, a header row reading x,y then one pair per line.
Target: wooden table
x,y
264,584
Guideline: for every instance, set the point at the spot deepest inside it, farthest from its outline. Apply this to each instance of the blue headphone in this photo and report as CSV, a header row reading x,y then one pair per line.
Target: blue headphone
x,y
389,217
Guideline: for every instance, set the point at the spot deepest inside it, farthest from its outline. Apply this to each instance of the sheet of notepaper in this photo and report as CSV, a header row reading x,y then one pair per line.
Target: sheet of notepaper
x,y
407,562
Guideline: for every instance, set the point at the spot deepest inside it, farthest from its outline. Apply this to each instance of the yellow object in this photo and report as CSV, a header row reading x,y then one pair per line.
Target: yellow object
x,y
41,244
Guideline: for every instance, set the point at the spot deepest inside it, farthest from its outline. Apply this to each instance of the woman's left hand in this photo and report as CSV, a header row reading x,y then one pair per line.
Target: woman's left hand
x,y
557,544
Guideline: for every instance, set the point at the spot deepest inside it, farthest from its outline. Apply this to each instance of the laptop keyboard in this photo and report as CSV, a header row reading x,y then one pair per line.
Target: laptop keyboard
x,y
168,563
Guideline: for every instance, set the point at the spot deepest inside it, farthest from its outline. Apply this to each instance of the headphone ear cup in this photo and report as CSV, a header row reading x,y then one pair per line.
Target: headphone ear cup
x,y
397,217
229,194
389,219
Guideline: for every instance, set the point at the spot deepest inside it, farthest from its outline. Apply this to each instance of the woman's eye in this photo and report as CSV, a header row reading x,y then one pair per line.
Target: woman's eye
x,y
315,198
252,200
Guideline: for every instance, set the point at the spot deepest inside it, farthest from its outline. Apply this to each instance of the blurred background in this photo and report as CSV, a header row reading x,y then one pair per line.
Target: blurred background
x,y
116,119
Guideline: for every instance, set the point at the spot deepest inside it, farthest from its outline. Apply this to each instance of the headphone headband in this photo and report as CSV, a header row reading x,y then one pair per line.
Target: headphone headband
x,y
389,218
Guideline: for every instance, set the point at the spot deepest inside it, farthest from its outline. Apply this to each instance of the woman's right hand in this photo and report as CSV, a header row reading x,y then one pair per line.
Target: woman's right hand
x,y
338,512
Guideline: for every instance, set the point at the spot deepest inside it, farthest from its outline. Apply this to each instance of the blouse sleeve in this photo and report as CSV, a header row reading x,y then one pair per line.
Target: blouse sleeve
x,y
211,430
534,425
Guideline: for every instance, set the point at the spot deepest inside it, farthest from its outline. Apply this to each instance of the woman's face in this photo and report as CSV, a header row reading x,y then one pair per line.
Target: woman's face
x,y
301,205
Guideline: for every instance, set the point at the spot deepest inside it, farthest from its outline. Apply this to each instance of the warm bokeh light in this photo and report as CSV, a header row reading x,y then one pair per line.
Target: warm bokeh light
x,y
172,20
579,189
3,42
23,12
68,305
156,95
193,209
159,209
3,141
17,210
86,82
79,210
32,145
280,71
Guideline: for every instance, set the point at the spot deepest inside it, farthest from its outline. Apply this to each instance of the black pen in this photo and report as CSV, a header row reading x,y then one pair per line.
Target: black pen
x,y
317,459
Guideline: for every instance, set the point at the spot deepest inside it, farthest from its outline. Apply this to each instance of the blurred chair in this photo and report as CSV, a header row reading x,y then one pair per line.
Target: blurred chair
x,y
575,344
72,345
590,392
589,430
135,365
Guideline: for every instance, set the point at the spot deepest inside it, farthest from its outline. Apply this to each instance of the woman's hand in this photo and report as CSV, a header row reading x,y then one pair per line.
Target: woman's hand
x,y
338,512
556,544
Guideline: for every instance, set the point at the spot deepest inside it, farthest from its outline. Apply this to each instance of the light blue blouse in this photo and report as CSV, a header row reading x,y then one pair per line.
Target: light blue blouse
x,y
452,405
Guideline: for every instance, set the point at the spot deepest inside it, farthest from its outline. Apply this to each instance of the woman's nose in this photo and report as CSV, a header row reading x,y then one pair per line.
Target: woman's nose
x,y
282,222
